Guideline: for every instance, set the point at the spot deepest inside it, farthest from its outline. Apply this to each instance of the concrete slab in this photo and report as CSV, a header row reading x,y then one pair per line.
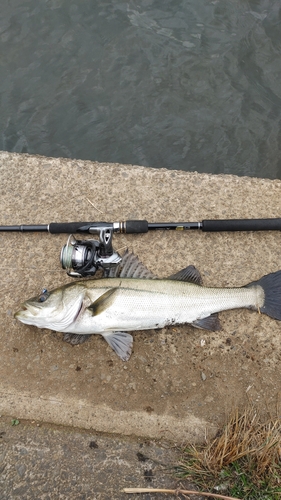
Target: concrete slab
x,y
48,462
180,381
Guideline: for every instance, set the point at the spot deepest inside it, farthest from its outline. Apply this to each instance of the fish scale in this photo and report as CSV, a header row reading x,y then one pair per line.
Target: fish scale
x,y
160,303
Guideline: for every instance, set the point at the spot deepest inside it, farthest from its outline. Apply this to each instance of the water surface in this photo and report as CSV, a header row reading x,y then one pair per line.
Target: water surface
x,y
190,85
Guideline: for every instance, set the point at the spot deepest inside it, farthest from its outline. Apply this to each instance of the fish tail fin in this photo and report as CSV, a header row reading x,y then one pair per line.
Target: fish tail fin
x,y
271,285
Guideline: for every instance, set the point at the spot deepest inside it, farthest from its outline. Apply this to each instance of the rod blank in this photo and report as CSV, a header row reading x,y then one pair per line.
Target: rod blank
x,y
26,228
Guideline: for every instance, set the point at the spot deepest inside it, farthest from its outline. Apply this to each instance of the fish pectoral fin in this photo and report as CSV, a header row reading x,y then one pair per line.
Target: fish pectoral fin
x,y
211,322
103,302
121,343
189,274
75,338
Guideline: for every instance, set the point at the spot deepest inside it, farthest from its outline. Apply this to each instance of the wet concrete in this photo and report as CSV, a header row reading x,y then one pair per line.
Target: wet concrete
x,y
180,381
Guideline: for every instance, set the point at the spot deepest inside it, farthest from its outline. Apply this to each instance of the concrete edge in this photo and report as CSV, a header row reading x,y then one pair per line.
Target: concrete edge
x,y
102,418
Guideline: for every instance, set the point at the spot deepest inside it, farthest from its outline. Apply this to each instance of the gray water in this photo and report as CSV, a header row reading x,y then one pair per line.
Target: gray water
x,y
190,85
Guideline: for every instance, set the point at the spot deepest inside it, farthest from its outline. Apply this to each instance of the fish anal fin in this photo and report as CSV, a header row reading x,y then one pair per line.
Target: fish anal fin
x,y
211,323
103,302
120,342
189,273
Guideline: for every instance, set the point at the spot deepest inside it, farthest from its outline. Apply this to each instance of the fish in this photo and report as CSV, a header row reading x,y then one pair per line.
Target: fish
x,y
132,298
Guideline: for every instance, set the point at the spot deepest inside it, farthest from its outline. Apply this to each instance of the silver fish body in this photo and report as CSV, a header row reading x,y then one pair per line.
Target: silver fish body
x,y
133,304
113,306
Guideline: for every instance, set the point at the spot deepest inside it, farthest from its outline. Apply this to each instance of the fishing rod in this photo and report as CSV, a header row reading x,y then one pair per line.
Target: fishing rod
x,y
82,258
142,226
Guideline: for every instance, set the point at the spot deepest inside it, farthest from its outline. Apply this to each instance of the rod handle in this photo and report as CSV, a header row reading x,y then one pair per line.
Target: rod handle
x,y
242,225
68,227
136,226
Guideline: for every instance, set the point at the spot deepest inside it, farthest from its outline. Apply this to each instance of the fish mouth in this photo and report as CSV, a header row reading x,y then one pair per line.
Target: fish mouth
x,y
26,311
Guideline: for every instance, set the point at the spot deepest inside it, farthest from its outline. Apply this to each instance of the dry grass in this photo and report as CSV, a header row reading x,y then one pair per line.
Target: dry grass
x,y
245,458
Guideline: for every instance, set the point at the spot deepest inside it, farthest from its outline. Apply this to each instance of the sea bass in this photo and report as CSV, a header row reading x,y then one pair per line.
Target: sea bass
x,y
136,300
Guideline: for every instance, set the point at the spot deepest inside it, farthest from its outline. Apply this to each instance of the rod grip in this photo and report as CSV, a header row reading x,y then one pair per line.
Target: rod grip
x,y
136,226
242,225
67,227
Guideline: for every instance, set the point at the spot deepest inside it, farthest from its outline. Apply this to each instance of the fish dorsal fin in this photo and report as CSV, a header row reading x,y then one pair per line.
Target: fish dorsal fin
x,y
103,302
189,273
132,267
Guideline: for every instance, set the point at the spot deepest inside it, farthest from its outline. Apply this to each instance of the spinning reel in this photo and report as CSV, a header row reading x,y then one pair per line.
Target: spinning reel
x,y
83,258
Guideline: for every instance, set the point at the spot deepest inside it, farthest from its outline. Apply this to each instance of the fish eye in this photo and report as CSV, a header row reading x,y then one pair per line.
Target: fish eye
x,y
43,295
